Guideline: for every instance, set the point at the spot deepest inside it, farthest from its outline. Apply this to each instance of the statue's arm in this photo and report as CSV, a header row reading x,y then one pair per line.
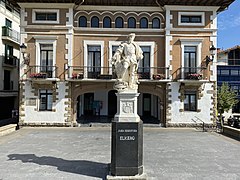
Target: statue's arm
x,y
117,55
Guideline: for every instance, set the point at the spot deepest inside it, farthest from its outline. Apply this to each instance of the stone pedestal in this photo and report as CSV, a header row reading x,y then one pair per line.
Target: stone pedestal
x,y
127,107
127,140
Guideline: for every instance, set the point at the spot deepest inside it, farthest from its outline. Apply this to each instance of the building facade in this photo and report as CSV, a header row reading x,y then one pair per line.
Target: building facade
x,y
9,58
228,70
69,75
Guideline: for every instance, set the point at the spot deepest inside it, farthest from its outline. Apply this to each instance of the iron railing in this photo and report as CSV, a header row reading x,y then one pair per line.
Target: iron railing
x,y
12,34
10,60
193,73
42,72
97,72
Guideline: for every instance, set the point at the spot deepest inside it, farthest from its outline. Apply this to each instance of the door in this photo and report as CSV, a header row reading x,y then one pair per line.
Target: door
x,y
46,62
88,104
112,103
146,104
7,81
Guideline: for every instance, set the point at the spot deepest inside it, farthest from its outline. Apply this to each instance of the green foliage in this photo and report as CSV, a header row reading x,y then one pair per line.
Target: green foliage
x,y
226,98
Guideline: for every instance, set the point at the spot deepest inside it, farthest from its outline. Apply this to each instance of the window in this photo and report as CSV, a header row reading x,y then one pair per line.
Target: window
x,y
131,23
119,22
94,60
234,72
144,64
225,72
46,59
45,99
143,23
114,48
190,101
107,23
190,62
95,22
8,23
156,23
45,16
82,21
191,18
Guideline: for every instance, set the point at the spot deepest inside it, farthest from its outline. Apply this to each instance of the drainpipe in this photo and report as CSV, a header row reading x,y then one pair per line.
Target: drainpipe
x,y
160,5
78,4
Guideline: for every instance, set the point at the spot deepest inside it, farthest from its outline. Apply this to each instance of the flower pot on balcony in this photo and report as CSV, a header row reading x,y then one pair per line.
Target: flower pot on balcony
x,y
158,76
194,76
38,75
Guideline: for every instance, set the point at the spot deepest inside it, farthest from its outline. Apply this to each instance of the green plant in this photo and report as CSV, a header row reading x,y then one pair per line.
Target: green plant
x,y
226,99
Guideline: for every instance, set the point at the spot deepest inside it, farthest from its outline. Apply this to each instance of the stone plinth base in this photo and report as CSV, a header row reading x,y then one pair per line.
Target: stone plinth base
x,y
127,149
127,107
137,177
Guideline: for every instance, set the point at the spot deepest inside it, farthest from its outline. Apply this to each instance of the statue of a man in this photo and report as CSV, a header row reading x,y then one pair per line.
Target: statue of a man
x,y
125,62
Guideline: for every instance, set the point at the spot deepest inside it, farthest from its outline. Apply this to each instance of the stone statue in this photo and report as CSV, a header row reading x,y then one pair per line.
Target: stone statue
x,y
125,63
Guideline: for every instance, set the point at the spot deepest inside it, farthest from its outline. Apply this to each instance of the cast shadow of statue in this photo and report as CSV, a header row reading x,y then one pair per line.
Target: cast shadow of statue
x,y
83,167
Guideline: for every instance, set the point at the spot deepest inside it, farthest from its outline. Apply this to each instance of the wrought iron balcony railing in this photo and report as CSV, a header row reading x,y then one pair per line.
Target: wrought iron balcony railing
x,y
94,72
10,61
193,73
42,72
10,33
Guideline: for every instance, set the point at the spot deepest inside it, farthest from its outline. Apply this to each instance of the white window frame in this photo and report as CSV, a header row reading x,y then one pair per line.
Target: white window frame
x,y
40,40
34,11
140,43
96,43
202,14
191,42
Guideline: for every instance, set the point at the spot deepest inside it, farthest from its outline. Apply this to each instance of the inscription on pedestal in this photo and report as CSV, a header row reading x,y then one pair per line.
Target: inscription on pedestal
x,y
126,149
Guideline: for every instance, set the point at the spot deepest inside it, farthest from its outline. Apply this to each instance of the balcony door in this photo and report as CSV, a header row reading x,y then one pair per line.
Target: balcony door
x,y
94,61
7,80
46,59
8,54
190,59
144,64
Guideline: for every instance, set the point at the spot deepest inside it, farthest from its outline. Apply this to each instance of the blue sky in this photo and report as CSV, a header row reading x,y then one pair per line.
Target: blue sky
x,y
229,26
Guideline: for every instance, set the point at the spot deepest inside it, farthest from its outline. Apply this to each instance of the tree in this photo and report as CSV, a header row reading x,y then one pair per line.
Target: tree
x,y
226,99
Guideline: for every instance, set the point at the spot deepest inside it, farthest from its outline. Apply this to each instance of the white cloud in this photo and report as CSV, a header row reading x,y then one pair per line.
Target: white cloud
x,y
228,21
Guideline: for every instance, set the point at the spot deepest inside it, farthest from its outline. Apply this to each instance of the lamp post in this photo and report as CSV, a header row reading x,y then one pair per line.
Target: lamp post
x,y
26,56
211,57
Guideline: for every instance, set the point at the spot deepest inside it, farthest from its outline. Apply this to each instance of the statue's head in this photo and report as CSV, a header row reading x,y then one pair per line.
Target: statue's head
x,y
131,37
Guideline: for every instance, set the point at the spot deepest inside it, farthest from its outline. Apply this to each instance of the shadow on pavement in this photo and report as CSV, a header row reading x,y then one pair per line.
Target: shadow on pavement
x,y
83,167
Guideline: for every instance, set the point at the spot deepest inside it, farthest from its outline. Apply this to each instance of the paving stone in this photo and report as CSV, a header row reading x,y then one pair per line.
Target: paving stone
x,y
84,153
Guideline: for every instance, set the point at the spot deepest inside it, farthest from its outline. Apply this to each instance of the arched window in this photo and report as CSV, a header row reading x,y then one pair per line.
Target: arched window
x,y
107,23
156,23
82,22
131,23
119,22
143,23
94,21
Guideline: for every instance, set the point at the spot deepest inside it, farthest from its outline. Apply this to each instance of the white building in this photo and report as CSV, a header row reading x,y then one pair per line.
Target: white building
x,y
9,58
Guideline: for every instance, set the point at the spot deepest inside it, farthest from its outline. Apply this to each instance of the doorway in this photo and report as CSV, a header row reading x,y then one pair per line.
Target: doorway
x,y
146,104
112,103
88,104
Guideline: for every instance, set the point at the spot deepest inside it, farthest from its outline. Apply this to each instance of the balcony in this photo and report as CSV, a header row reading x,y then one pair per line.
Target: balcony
x,y
153,73
10,61
42,73
193,74
107,73
10,34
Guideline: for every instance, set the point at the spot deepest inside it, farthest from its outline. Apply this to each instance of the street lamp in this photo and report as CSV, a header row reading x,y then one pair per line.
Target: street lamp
x,y
26,56
211,57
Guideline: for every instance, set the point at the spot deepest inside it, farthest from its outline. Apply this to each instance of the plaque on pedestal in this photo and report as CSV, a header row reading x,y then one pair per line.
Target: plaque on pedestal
x,y
127,149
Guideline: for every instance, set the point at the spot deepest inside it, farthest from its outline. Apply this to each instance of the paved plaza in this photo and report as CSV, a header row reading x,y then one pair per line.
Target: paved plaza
x,y
84,153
